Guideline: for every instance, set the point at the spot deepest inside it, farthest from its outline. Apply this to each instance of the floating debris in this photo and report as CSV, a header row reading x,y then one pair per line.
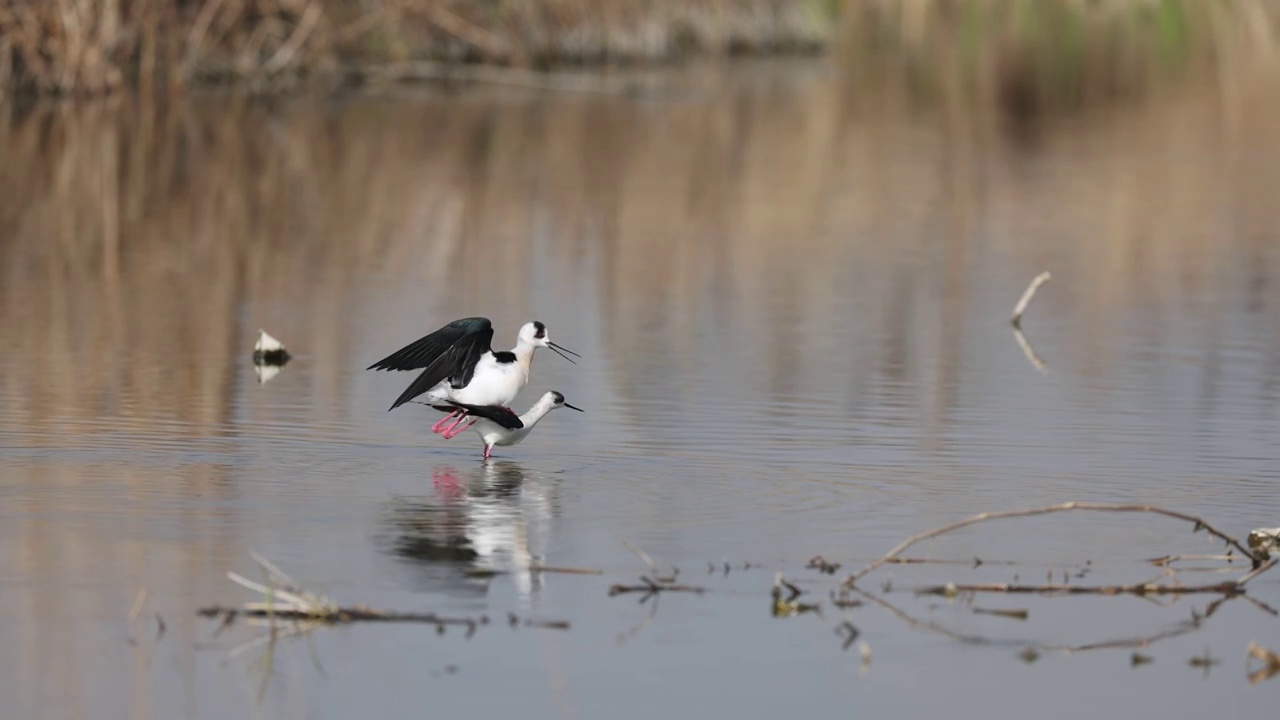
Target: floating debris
x,y
788,606
650,588
1264,542
1259,563
1138,659
1204,661
269,351
1270,660
822,565
286,601
1011,614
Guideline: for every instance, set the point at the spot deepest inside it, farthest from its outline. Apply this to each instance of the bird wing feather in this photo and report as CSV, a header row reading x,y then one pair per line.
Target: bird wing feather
x,y
450,353
500,415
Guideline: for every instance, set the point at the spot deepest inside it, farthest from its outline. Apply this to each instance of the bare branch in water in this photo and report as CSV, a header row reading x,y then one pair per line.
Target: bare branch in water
x,y
650,588
293,603
1199,524
1029,351
1181,628
1270,663
1229,587
653,569
1030,292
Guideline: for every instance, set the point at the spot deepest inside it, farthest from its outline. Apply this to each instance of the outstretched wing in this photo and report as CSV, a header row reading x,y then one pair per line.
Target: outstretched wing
x,y
450,353
500,415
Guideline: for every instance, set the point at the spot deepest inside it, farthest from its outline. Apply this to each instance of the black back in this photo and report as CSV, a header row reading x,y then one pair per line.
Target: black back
x,y
450,353
500,415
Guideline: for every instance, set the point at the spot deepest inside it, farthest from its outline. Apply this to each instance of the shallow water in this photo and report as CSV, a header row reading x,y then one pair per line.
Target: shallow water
x,y
792,299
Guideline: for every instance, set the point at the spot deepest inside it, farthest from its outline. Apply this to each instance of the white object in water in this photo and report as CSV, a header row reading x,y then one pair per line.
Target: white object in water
x,y
268,350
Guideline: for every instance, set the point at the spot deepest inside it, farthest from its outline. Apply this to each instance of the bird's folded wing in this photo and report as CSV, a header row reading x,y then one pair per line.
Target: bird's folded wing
x,y
500,415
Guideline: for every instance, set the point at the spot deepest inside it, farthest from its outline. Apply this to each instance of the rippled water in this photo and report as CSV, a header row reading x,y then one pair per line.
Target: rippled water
x,y
792,300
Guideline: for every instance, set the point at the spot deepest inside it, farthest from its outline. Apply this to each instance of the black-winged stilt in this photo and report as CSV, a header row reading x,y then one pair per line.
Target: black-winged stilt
x,y
461,367
499,425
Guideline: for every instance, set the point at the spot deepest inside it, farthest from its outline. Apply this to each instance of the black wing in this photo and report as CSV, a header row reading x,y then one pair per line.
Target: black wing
x,y
500,415
450,353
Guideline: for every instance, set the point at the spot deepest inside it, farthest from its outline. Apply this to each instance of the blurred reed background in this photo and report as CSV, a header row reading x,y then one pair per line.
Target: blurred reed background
x,y
1022,52
68,46
135,232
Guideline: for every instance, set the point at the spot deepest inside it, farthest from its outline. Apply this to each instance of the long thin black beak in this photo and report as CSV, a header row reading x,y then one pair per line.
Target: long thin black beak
x,y
574,408
562,350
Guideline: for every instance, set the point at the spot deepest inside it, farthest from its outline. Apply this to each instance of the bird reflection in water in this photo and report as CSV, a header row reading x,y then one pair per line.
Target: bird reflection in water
x,y
475,525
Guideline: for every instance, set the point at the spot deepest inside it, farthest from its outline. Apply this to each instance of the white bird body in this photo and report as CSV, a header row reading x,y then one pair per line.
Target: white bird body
x,y
499,426
460,366
494,434
493,383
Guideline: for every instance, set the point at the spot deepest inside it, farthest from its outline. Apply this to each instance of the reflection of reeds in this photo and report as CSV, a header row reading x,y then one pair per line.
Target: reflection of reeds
x,y
161,225
1037,55
64,46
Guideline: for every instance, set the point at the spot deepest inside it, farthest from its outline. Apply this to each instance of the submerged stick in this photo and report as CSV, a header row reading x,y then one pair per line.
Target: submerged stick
x,y
1018,309
335,615
1064,507
1228,587
293,603
1029,351
653,588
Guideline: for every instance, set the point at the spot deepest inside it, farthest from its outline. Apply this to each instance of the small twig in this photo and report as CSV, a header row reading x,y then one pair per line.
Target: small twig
x,y
1030,292
1256,571
1170,559
1270,663
1063,507
653,588
642,555
295,602
337,615
653,569
976,562
1029,351
1011,614
1149,588
547,624
1181,628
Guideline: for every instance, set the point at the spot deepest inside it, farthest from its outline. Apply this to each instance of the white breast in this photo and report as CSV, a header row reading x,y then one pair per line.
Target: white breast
x,y
492,383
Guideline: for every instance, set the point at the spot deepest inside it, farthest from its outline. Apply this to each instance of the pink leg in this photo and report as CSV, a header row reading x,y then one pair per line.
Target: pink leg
x,y
455,432
488,450
461,416
440,425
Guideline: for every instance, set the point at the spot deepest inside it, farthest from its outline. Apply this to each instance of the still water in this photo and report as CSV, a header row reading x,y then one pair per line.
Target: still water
x,y
792,299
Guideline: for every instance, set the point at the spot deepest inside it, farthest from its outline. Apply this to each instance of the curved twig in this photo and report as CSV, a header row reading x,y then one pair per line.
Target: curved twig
x,y
1063,507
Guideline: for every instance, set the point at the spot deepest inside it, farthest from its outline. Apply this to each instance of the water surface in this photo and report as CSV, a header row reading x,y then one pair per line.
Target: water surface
x,y
792,300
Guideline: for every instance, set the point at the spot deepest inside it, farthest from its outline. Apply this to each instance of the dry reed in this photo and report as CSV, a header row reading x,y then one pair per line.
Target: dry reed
x,y
93,46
